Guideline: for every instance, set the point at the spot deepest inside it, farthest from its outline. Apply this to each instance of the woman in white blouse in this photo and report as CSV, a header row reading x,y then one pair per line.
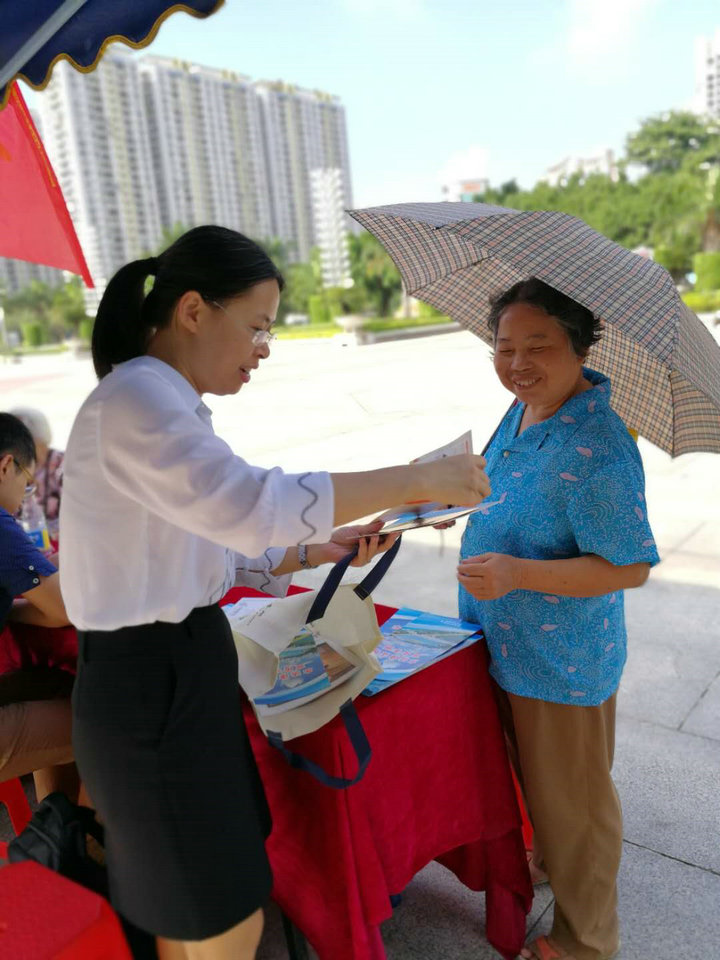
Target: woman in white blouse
x,y
158,519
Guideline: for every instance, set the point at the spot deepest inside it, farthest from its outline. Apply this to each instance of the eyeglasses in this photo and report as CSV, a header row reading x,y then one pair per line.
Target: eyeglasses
x,y
30,486
258,336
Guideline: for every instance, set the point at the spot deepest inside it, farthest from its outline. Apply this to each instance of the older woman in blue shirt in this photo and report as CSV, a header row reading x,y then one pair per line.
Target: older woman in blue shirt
x,y
543,569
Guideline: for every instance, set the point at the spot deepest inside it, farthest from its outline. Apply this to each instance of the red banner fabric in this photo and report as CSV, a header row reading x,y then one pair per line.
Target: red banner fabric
x,y
34,222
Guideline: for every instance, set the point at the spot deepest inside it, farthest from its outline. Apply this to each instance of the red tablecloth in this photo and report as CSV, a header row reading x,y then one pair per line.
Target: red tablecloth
x,y
438,787
24,645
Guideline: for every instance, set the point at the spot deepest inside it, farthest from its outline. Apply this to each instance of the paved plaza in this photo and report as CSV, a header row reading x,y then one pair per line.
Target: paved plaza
x,y
318,405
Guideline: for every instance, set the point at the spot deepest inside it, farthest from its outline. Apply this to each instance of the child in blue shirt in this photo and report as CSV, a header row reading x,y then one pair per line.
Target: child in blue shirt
x,y
35,715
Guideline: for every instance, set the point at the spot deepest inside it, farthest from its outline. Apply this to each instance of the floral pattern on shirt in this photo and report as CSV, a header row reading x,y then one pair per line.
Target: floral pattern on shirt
x,y
568,486
49,480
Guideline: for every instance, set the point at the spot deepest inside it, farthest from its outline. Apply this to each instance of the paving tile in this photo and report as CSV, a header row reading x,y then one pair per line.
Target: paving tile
x,y
704,719
673,653
439,917
682,566
668,910
706,540
665,906
668,784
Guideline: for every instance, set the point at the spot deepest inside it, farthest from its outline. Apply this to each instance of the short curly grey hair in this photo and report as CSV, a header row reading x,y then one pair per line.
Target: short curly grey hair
x,y
36,422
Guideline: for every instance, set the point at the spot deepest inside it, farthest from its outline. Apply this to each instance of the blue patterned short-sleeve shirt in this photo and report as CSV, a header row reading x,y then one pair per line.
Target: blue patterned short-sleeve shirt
x,y
569,486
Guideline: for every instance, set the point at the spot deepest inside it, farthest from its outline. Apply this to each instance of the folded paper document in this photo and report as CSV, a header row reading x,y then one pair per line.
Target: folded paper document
x,y
410,516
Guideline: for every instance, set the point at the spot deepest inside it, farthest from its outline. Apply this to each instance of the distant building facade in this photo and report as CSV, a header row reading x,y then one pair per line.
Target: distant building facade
x,y
707,75
601,161
465,191
142,145
329,225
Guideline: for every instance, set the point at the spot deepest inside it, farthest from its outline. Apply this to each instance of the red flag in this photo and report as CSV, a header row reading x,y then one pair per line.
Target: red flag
x,y
34,222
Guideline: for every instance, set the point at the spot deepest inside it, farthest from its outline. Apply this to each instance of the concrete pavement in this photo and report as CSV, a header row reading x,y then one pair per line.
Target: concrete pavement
x,y
318,405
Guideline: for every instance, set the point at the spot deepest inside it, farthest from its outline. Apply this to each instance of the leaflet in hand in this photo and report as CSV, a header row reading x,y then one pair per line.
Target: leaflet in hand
x,y
306,668
412,640
409,516
463,444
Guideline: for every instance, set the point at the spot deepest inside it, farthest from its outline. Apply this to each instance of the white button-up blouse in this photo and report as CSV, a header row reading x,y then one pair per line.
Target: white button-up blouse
x,y
159,516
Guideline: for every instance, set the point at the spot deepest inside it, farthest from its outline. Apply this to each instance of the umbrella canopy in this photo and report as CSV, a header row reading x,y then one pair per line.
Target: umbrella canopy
x,y
35,35
662,361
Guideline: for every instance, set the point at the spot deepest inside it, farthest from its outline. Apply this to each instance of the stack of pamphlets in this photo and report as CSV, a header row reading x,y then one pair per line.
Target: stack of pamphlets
x,y
412,640
307,668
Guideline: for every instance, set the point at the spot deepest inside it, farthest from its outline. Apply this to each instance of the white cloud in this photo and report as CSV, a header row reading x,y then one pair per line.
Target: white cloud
x,y
600,30
470,163
399,188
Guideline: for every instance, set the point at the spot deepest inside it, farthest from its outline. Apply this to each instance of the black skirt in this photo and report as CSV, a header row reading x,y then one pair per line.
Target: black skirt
x,y
161,745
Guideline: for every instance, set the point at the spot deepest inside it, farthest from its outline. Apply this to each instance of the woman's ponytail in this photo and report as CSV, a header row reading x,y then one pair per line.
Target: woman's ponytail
x,y
121,331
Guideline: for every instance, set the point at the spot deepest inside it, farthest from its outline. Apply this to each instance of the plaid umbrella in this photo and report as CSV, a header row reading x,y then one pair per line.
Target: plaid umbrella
x,y
662,361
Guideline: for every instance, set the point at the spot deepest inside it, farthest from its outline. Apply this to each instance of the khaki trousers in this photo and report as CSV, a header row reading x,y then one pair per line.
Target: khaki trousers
x,y
34,735
562,755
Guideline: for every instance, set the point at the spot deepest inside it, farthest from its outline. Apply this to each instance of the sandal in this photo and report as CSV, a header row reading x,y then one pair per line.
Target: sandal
x,y
543,949
537,876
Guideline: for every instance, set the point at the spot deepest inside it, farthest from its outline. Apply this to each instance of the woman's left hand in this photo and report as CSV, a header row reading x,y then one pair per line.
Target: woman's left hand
x,y
345,539
489,576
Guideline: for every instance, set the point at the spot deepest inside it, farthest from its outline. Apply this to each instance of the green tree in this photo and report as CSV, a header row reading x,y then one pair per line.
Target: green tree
x,y
303,280
667,142
67,311
375,276
281,254
318,309
707,268
29,306
673,206
33,334
168,236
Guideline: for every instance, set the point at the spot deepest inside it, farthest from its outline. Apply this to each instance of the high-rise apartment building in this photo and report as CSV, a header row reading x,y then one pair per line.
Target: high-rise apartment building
x,y
96,132
303,131
15,275
328,198
707,75
145,144
207,146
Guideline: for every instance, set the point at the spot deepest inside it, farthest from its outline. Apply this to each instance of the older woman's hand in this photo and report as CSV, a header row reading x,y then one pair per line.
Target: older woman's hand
x,y
345,539
489,576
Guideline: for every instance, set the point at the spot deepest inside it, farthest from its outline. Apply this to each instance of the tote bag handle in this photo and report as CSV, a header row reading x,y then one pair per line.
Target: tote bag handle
x,y
358,741
351,721
363,589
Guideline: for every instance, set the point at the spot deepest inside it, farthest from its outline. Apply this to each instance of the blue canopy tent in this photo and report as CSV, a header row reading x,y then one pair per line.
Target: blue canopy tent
x,y
34,36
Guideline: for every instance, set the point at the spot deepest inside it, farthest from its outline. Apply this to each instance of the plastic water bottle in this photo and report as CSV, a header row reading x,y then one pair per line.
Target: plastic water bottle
x,y
33,522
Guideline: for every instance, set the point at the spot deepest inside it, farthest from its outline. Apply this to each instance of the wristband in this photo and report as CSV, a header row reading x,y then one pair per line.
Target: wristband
x,y
303,557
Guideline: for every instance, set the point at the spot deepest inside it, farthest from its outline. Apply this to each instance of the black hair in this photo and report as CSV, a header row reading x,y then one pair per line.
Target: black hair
x,y
16,439
580,324
217,262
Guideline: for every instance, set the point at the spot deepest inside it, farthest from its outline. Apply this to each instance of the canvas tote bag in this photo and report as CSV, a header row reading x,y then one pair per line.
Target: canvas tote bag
x,y
340,619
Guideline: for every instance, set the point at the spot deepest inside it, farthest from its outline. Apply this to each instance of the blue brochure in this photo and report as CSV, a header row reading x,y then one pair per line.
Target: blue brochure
x,y
412,640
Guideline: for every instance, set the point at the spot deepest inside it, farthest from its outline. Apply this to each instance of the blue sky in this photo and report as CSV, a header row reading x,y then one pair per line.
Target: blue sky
x,y
430,85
